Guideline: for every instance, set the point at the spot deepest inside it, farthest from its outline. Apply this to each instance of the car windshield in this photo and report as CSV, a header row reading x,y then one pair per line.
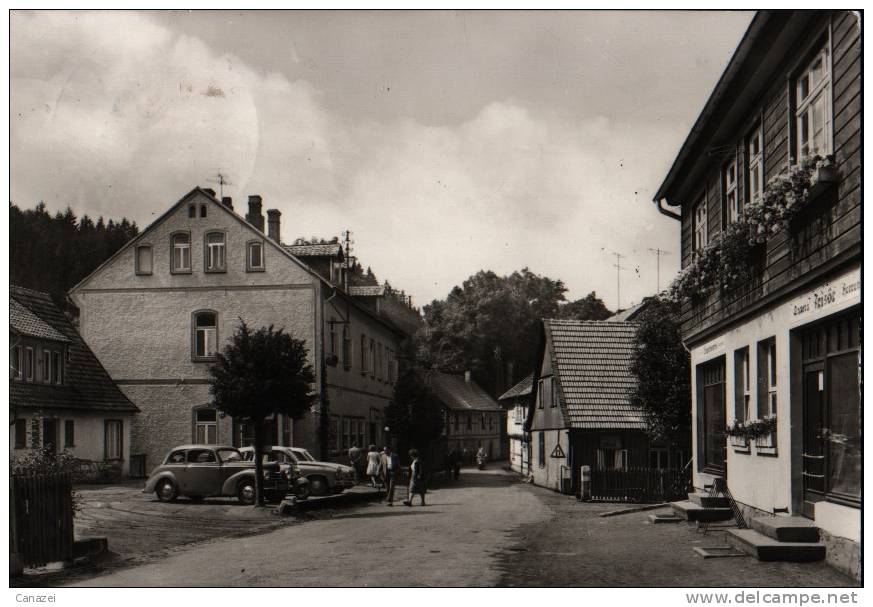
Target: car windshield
x,y
229,455
304,455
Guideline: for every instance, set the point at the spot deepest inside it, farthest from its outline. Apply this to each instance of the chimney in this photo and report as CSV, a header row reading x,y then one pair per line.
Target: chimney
x,y
209,191
273,223
254,216
467,376
227,201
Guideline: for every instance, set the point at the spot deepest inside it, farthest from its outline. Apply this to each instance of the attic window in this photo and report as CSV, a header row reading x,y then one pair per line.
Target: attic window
x,y
192,212
255,256
202,210
144,260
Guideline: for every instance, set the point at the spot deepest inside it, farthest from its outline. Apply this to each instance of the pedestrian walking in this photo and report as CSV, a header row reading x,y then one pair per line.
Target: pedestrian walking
x,y
417,481
373,463
355,462
390,468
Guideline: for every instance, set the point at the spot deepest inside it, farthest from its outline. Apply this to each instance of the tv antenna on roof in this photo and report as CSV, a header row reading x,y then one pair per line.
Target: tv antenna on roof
x,y
221,180
618,268
658,253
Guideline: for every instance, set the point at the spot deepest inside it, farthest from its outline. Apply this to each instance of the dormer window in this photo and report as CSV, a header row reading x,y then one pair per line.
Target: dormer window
x,y
214,252
181,252
205,335
255,256
144,260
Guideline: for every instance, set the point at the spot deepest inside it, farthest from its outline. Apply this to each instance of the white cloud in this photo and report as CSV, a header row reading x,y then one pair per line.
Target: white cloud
x,y
115,115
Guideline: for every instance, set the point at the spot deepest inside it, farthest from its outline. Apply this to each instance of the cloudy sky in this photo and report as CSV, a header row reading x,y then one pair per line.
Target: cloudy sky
x,y
448,142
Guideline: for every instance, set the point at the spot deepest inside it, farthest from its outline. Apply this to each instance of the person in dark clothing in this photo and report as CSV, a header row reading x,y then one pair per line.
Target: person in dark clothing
x,y
417,480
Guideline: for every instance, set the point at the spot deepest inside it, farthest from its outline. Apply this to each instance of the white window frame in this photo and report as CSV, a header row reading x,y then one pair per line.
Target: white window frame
x,y
700,232
731,198
18,364
819,91
745,378
772,372
756,164
46,366
215,253
251,266
205,426
28,365
182,265
113,441
210,336
140,271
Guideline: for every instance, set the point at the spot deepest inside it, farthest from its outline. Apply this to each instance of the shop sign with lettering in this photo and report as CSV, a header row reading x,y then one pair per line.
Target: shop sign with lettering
x,y
827,298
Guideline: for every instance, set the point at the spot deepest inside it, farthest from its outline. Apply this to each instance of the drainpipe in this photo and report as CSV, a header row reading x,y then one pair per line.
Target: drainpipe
x,y
659,203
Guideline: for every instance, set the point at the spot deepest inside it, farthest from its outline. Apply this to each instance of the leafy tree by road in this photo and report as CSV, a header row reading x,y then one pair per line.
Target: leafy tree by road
x,y
662,367
415,415
589,307
258,374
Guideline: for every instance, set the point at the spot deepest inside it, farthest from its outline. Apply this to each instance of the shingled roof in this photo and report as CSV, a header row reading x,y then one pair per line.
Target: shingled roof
x,y
87,386
458,394
522,388
332,249
591,360
25,322
367,290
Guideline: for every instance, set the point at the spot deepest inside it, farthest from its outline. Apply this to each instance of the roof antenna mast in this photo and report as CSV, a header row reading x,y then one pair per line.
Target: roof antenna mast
x,y
658,253
222,181
618,268
347,248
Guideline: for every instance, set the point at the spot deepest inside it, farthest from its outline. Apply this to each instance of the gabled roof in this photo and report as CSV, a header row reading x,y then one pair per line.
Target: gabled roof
x,y
333,249
631,313
458,394
522,388
25,322
87,386
367,291
591,361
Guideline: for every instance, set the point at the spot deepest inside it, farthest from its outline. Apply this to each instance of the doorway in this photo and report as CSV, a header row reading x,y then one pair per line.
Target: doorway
x,y
832,453
713,440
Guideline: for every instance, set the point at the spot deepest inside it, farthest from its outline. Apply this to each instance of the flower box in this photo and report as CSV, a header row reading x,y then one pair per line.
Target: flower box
x,y
739,443
821,180
766,444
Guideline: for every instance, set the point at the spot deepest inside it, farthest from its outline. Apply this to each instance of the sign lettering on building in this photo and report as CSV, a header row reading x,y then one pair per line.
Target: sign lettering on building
x,y
829,297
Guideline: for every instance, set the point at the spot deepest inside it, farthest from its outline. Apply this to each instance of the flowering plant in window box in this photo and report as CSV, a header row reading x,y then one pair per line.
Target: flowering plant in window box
x,y
737,434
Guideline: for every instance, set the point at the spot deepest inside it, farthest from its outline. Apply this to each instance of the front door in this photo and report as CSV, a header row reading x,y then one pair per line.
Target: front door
x,y
832,454
714,442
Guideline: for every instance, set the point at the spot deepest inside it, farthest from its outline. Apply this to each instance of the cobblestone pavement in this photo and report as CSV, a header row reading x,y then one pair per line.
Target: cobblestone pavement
x,y
488,529
577,547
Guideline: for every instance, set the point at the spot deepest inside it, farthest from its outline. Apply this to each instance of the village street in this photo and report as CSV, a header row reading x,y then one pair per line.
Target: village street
x,y
488,529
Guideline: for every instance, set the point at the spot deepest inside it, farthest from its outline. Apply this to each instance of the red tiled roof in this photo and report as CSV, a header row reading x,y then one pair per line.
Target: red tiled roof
x,y
522,388
591,361
87,386
458,394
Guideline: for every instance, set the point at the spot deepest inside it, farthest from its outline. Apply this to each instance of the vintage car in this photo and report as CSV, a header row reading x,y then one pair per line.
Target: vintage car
x,y
324,477
201,471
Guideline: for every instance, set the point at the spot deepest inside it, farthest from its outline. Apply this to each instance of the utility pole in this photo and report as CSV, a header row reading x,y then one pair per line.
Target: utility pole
x,y
657,253
347,248
618,268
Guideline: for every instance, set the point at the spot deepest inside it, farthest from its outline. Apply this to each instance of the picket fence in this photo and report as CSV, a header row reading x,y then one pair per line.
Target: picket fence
x,y
640,484
41,518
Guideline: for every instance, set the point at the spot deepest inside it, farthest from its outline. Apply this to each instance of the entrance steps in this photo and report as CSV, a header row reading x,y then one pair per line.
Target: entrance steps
x,y
694,512
785,538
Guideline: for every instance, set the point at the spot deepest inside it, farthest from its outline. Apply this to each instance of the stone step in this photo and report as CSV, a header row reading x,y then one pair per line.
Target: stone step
x,y
702,499
767,549
665,518
695,512
786,528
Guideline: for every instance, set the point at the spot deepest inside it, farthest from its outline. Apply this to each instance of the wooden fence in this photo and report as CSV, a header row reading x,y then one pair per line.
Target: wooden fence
x,y
640,484
41,518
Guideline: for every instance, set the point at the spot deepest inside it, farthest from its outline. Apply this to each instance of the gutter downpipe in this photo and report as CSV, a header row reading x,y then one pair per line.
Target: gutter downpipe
x,y
659,203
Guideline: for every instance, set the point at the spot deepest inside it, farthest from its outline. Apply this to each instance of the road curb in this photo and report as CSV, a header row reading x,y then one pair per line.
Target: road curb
x,y
347,498
632,509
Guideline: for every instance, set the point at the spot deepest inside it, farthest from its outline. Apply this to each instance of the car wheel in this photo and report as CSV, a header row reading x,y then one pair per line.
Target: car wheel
x,y
166,491
302,493
245,491
318,485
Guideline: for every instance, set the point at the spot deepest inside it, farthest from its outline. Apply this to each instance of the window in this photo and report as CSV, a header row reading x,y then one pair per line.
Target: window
x,y
554,394
255,256
457,420
767,377
755,167
700,232
334,432
20,433
143,260
113,439
469,421
28,364
541,449
813,114
371,359
181,253
658,458
206,426
214,252
69,434
332,343
200,456
364,361
205,335
46,366
540,393
57,367
202,210
16,363
192,212
482,420
729,183
742,394
347,348
346,432
362,431
612,459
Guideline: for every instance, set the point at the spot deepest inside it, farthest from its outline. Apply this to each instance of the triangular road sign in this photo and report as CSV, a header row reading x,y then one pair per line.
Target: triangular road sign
x,y
558,452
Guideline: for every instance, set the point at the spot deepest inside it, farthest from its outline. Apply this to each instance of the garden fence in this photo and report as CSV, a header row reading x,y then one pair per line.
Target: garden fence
x,y
640,484
41,518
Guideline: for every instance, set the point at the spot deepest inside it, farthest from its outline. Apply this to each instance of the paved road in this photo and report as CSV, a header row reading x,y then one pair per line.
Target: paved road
x,y
458,539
